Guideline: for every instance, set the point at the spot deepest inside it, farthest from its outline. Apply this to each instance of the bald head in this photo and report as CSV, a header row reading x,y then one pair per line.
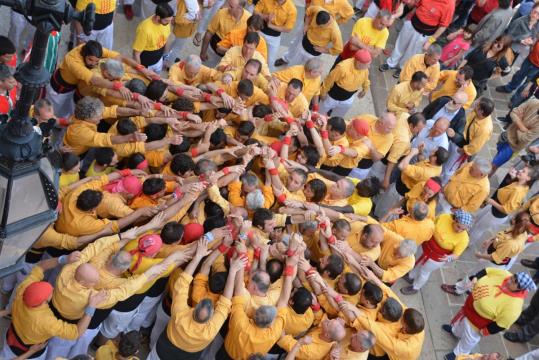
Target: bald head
x,y
335,329
362,341
192,64
460,97
372,236
87,275
386,123
440,127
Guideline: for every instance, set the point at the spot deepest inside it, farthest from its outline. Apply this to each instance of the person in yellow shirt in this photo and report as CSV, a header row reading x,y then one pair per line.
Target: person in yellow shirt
x,y
150,44
367,34
416,225
191,72
192,329
236,37
349,77
468,188
185,22
321,31
236,57
428,63
406,96
452,81
420,171
33,320
310,76
70,169
508,198
396,259
229,18
427,192
494,304
103,29
477,131
449,241
334,140
104,163
126,349
288,98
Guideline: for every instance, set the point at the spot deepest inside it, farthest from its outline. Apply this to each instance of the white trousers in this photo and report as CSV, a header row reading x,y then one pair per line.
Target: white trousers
x,y
372,11
421,272
19,27
452,164
161,321
360,174
532,355
7,354
63,104
485,224
468,336
359,4
145,315
59,347
409,43
297,37
153,355
207,15
273,43
157,67
117,322
105,36
300,56
338,107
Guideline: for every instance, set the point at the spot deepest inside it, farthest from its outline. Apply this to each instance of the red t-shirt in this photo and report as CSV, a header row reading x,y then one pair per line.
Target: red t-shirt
x,y
435,13
534,54
8,101
480,12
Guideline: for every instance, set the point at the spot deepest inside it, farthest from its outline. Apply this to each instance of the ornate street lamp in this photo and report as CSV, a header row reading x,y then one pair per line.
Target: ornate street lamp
x,y
28,198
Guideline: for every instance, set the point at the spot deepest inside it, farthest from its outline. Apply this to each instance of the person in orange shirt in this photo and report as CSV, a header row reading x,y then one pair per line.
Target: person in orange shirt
x,y
153,190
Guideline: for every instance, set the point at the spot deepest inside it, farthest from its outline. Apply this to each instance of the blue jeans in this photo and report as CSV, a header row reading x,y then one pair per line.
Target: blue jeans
x,y
527,71
503,155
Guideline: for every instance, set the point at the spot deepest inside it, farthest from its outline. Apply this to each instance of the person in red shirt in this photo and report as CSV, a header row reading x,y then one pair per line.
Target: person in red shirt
x,y
528,70
8,91
481,9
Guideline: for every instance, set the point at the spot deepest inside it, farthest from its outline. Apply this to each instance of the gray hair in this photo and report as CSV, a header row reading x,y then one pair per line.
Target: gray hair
x,y
121,260
193,60
307,225
89,108
203,311
113,67
350,187
420,210
434,49
261,282
383,14
254,200
366,339
483,165
264,316
407,247
249,179
313,64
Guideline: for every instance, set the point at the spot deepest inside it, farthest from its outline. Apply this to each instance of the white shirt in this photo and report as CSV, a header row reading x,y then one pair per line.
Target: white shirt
x,y
443,112
431,143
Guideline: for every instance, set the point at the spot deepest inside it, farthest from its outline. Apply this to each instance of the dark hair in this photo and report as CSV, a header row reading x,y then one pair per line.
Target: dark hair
x,y
296,84
251,38
136,85
155,132
504,4
129,343
172,232
418,76
311,154
319,190
5,73
89,199
259,281
256,63
153,186
373,293
467,71
246,128
441,156
214,222
184,146
341,224
183,104
369,187
126,126
337,124
218,137
134,160
415,323
261,110
260,216
438,181
256,21
486,106
391,310
352,283
246,87
274,268
212,209
322,17
335,266
104,156
416,119
301,173
155,89
217,282
69,161
164,10
6,46
181,163
302,300
92,48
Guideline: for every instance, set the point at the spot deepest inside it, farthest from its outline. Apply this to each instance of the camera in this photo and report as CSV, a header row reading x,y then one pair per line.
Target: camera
x,y
530,159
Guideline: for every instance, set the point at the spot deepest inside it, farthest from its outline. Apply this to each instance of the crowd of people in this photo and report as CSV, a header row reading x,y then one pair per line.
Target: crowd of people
x,y
231,205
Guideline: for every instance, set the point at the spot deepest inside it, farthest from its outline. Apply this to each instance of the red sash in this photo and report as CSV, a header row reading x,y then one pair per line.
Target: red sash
x,y
431,250
469,312
534,229
13,340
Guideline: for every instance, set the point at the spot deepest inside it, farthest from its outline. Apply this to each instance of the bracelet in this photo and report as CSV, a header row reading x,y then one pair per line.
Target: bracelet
x,y
268,118
209,236
343,149
287,140
338,298
310,271
183,114
315,307
157,106
177,194
63,121
290,253
316,107
273,171
135,96
116,85
332,239
431,39
179,91
243,255
309,124
322,226
289,120
62,260
250,235
274,98
206,97
324,134
220,92
288,270
90,311
140,67
125,172
281,198
156,77
226,170
256,253
223,248
194,152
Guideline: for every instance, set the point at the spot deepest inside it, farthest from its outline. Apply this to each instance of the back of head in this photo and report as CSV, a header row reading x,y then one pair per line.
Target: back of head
x,y
121,260
172,232
369,187
391,310
89,200
6,46
203,311
260,216
104,156
153,186
205,166
217,282
296,84
181,163
155,132
352,283
373,293
414,321
322,17
87,108
183,104
255,22
164,10
483,165
69,161
302,300
274,268
86,274
467,71
136,86
155,89
418,76
126,126
420,210
114,68
335,266
434,49
264,316
441,156
92,48
136,161
129,344
337,124
261,281
485,105
251,38
246,87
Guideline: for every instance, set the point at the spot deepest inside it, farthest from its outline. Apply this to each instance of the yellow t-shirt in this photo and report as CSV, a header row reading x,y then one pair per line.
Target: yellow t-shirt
x,y
150,36
368,34
447,237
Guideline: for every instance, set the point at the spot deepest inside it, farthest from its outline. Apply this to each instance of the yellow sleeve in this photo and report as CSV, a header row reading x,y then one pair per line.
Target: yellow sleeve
x,y
433,79
215,196
475,201
127,289
460,247
92,249
415,172
234,194
110,112
328,82
445,74
227,59
128,149
79,71
381,43
407,70
61,329
398,150
394,101
476,143
180,293
214,23
226,42
114,207
336,41
269,198
514,202
291,18
199,290
362,207
53,238
396,272
140,38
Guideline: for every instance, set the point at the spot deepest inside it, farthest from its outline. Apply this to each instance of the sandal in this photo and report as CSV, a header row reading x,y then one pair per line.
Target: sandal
x,y
197,39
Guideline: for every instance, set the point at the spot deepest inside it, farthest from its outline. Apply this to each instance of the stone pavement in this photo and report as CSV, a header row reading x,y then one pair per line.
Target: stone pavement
x,y
437,306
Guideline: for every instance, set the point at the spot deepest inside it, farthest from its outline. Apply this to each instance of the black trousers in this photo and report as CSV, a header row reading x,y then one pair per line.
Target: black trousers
x,y
529,319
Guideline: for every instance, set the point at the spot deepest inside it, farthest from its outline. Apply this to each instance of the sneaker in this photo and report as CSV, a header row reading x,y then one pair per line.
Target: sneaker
x,y
502,119
515,337
280,62
384,67
502,89
409,290
530,263
128,11
408,279
450,356
450,289
448,329
397,73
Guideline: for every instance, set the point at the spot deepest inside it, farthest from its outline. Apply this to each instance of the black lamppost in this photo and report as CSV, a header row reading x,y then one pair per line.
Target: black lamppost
x,y
28,198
